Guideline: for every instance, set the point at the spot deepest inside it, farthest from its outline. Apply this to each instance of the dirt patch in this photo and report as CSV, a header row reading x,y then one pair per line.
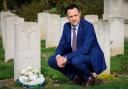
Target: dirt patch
x,y
7,82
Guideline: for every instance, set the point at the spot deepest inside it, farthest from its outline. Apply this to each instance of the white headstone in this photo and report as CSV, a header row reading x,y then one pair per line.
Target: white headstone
x,y
117,36
53,31
27,47
91,18
102,33
63,21
3,26
1,22
115,8
125,8
126,30
9,36
42,18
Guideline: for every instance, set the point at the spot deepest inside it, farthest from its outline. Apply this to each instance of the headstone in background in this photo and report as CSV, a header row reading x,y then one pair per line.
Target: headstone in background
x,y
42,18
9,36
63,20
126,30
102,34
117,36
27,47
3,26
91,18
125,9
53,31
113,8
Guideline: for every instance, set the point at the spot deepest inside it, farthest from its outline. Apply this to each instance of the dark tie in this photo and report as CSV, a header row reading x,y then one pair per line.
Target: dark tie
x,y
74,40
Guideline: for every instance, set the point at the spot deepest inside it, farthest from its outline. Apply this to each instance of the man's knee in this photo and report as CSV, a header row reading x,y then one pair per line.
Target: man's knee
x,y
81,59
75,61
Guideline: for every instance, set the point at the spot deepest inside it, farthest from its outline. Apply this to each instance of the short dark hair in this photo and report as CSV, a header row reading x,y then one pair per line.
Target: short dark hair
x,y
71,6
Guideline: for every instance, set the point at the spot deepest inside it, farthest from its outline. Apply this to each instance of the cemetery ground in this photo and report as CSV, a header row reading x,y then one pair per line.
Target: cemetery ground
x,y
55,80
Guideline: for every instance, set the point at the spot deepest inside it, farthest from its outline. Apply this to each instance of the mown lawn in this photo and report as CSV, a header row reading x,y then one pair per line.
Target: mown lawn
x,y
55,80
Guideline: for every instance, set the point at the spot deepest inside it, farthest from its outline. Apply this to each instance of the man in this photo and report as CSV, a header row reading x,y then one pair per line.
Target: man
x,y
78,54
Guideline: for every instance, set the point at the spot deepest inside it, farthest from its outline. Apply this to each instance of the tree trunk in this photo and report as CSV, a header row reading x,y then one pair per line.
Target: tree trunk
x,y
5,6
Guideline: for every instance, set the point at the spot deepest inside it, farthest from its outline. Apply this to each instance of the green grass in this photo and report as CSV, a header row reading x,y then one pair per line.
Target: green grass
x,y
1,51
6,70
119,66
112,85
126,47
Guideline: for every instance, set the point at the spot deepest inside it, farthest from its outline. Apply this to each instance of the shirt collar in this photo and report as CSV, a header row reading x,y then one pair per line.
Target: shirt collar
x,y
75,26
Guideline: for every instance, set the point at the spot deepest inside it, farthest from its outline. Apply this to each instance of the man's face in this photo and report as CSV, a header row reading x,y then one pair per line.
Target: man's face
x,y
73,16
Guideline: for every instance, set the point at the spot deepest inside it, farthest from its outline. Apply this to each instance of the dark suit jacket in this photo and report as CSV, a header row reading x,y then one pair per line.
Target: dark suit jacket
x,y
86,44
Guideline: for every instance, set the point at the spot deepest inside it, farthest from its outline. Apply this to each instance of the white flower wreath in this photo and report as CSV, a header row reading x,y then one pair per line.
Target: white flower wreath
x,y
30,77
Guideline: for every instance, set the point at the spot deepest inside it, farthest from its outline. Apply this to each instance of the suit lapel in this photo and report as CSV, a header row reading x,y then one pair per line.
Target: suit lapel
x,y
79,31
69,33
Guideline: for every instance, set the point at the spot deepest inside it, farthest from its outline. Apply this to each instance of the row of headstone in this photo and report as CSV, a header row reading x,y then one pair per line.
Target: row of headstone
x,y
51,27
21,42
25,37
111,11
54,27
115,36
118,28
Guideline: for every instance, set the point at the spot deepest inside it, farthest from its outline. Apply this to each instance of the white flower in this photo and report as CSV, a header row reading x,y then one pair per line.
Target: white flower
x,y
26,73
29,68
30,73
31,76
36,71
23,71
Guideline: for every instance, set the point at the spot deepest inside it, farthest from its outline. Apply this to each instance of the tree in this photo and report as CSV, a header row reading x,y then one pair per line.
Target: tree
x,y
5,6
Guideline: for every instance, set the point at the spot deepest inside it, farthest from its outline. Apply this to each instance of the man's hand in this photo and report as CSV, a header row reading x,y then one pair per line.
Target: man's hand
x,y
61,61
